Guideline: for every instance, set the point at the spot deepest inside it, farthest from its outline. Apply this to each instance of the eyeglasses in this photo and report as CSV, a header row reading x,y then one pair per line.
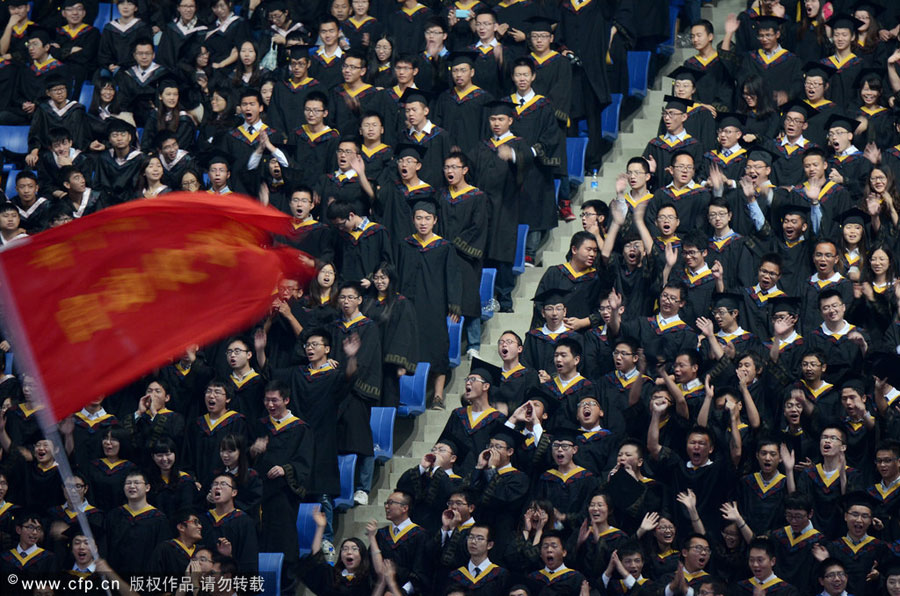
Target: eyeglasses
x,y
390,502
452,167
134,482
835,575
344,298
235,351
589,214
31,528
878,178
671,113
350,67
474,379
345,152
313,344
476,538
884,460
561,446
691,253
433,33
795,516
313,110
669,297
219,392
704,550
717,214
859,515
506,342
621,353
666,217
769,273
540,36
683,168
220,484
456,503
831,438
791,120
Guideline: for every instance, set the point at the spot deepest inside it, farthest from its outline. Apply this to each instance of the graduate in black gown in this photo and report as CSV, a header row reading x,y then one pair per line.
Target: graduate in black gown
x,y
491,56
500,163
118,167
29,525
461,109
225,522
172,556
58,111
289,94
419,130
362,244
134,529
306,233
315,143
353,97
181,36
399,191
846,64
203,436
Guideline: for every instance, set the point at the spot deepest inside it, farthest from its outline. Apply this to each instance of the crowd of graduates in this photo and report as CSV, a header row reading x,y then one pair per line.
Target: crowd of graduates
x,y
704,403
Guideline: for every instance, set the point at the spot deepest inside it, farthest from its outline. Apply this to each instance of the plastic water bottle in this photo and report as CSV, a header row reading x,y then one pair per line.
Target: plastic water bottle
x,y
592,192
595,183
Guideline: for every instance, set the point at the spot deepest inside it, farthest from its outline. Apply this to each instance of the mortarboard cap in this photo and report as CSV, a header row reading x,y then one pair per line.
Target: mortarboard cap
x,y
449,442
540,24
865,75
218,157
799,107
463,57
299,51
841,121
676,103
817,69
854,215
787,304
726,300
683,73
54,80
551,296
760,153
724,119
490,373
71,3
566,433
410,150
501,108
870,6
17,2
510,436
536,394
792,209
768,21
412,95
119,125
272,5
843,20
858,497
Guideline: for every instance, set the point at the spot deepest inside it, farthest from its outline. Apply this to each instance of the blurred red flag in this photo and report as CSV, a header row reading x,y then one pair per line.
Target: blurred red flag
x,y
97,303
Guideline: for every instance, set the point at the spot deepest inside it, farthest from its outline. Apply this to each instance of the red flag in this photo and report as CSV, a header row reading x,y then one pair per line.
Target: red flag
x,y
101,301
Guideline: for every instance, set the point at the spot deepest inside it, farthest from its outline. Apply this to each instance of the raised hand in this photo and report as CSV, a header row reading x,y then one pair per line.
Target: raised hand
x,y
705,326
671,254
650,522
731,24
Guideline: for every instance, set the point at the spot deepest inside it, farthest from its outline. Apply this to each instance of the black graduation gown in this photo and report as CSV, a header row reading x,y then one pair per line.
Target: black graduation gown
x,y
377,159
354,410
185,133
492,581
535,121
490,75
880,128
116,43
660,149
564,581
248,394
399,343
82,62
326,70
355,30
201,447
221,38
584,289
782,71
430,278
825,495
316,151
176,44
360,252
106,481
471,434
463,116
132,537
174,495
138,93
41,561
288,99
794,561
315,396
433,75
701,125
171,558
514,385
567,492
291,444
347,108
858,560
809,294
409,550
787,170
712,484
762,503
87,436
691,203
503,182
408,29
843,356
842,83
564,414
501,497
71,117
584,28
700,289
430,492
855,170
174,171
716,86
340,187
322,579
312,237
538,348
240,530
437,145
613,389
463,221
116,180
240,146
553,80
49,171
732,165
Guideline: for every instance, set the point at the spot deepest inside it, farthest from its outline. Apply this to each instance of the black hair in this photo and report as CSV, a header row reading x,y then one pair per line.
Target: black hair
x,y
573,345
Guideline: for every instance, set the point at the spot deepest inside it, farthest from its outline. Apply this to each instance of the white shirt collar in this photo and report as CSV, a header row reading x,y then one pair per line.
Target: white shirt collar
x,y
481,566
679,137
351,173
547,331
402,525
692,384
426,129
703,269
527,97
628,375
774,51
739,331
95,415
800,142
690,464
670,320
851,150
732,150
764,581
835,277
844,330
505,135
493,43
561,567
25,553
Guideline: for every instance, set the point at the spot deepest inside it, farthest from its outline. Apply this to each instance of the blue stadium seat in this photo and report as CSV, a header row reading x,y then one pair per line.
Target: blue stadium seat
x,y
556,184
638,71
382,422
115,12
104,15
306,526
455,331
10,189
519,262
582,128
9,364
270,571
609,119
575,150
14,138
667,48
488,278
87,93
412,391
347,469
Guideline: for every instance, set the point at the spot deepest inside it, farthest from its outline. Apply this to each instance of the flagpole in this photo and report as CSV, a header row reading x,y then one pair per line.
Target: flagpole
x,y
25,357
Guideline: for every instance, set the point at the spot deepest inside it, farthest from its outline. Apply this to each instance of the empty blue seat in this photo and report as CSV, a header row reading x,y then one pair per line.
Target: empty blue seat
x,y
488,278
382,422
270,570
87,93
455,331
347,469
9,363
576,147
667,48
638,70
519,262
582,128
609,119
14,138
306,526
556,184
115,12
10,188
104,15
412,391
